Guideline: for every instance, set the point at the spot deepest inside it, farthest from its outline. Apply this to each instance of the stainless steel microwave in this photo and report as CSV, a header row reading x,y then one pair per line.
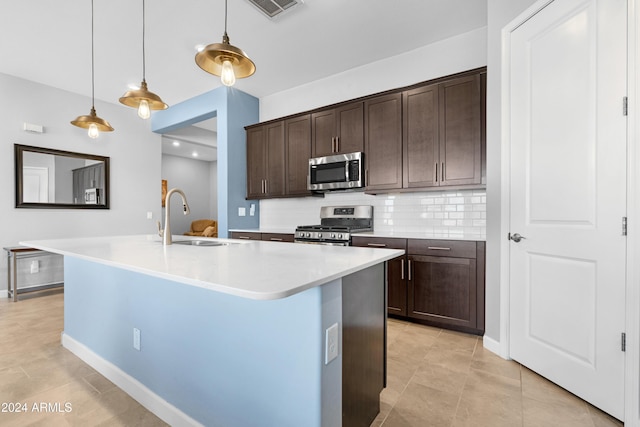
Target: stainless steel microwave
x,y
338,172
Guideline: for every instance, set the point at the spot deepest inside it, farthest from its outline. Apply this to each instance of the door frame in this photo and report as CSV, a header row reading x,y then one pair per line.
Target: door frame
x,y
632,362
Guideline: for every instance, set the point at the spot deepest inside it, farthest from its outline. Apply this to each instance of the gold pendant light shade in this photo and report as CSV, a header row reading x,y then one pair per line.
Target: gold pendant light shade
x,y
213,56
142,98
133,98
86,121
225,60
92,122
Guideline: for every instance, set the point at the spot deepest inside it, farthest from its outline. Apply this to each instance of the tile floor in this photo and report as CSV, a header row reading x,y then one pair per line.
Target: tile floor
x,y
436,378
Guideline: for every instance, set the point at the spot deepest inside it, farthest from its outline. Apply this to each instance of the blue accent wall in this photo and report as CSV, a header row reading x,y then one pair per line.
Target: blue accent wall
x,y
234,110
222,360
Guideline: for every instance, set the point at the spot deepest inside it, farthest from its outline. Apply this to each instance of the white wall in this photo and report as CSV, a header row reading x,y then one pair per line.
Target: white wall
x,y
134,150
194,178
449,56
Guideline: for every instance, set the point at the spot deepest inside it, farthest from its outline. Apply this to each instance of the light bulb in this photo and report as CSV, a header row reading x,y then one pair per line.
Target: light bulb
x,y
93,131
143,109
227,76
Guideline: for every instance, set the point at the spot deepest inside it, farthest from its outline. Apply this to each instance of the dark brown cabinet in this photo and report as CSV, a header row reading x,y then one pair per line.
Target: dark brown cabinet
x,y
438,282
420,144
297,135
338,130
266,161
383,142
423,137
446,283
255,235
442,133
439,137
396,277
461,143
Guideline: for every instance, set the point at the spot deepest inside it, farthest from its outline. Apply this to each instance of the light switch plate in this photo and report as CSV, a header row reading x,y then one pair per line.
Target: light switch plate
x,y
242,211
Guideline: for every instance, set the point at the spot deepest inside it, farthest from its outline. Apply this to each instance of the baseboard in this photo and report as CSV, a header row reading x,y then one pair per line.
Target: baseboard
x,y
134,388
493,346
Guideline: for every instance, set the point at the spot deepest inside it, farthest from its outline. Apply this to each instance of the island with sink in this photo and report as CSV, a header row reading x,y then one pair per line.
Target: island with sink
x,y
229,332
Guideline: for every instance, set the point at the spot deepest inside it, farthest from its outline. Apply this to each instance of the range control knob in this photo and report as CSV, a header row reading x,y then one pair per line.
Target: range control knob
x,y
340,236
333,235
308,235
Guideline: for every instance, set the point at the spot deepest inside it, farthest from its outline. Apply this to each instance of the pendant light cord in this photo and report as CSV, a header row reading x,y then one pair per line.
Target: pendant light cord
x,y
225,17
143,50
93,78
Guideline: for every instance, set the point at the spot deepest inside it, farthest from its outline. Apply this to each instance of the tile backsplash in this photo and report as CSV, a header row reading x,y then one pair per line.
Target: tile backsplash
x,y
449,212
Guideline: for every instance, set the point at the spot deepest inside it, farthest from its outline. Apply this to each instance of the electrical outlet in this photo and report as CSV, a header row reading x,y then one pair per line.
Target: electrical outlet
x,y
35,266
242,211
331,343
149,215
136,338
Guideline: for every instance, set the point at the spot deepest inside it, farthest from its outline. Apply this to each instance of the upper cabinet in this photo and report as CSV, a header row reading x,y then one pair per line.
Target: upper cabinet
x,y
278,158
297,135
383,136
338,130
266,161
424,137
441,142
461,142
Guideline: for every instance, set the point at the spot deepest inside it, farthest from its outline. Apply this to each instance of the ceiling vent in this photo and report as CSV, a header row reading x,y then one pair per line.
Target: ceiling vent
x,y
273,8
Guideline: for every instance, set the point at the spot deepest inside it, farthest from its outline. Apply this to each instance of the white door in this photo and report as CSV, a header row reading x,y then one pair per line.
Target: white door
x,y
35,184
568,186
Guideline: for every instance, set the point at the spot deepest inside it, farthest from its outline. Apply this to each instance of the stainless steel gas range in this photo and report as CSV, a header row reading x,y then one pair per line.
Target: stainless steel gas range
x,y
337,224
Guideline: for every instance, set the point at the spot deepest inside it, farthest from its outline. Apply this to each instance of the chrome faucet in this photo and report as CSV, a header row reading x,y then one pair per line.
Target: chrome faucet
x,y
166,233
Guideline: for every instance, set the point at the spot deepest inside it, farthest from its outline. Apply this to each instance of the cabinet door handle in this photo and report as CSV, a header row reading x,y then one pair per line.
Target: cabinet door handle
x,y
337,144
438,248
333,144
266,186
442,172
244,237
435,172
402,269
377,245
275,239
409,270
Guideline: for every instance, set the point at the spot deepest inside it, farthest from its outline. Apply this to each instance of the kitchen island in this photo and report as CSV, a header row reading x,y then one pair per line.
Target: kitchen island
x,y
230,335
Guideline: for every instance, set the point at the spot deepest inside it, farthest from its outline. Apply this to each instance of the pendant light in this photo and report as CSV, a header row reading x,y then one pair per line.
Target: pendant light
x,y
92,122
225,60
142,99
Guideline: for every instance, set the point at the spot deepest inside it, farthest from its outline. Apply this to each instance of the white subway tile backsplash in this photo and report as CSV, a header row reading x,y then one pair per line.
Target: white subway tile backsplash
x,y
460,212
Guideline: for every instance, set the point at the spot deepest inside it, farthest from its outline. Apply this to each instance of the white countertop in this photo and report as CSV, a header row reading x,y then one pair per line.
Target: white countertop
x,y
249,269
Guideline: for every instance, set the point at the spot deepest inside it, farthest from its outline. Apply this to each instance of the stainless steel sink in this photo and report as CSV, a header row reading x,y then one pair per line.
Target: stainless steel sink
x,y
200,243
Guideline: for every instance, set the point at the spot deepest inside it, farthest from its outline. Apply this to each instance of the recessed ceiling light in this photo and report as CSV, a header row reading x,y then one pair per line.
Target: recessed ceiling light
x,y
194,154
176,143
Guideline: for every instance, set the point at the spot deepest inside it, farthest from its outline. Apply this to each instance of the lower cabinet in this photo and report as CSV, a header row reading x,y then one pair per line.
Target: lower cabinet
x,y
438,282
272,237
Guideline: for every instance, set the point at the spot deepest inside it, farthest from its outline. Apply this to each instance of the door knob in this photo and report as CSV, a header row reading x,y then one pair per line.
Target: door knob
x,y
515,237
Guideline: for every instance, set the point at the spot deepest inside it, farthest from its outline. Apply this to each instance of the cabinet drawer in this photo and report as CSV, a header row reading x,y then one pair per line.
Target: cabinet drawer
x,y
448,248
277,237
245,236
380,242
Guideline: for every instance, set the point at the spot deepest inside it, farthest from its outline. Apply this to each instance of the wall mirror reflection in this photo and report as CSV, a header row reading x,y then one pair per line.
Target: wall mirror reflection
x,y
48,178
